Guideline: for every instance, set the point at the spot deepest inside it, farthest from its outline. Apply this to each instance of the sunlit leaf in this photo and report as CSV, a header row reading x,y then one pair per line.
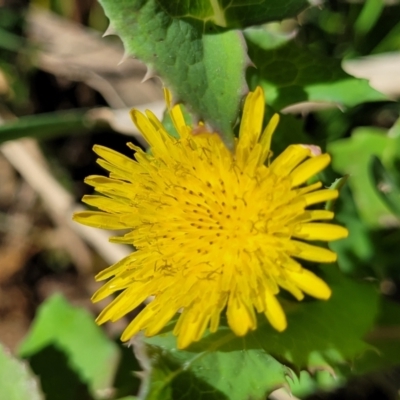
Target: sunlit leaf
x,y
352,156
73,331
319,335
192,61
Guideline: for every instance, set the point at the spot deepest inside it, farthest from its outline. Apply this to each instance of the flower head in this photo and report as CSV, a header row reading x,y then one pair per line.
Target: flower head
x,y
212,228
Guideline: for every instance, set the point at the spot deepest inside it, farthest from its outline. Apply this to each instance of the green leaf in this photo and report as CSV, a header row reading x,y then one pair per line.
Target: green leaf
x,y
319,335
222,374
352,156
291,74
234,13
385,184
391,155
73,331
307,384
193,61
337,185
16,380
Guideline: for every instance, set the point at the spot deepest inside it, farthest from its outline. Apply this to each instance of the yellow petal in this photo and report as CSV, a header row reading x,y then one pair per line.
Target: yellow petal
x,y
185,328
120,306
116,268
139,322
291,288
266,137
185,338
320,231
313,253
250,127
115,158
274,312
106,204
252,119
162,319
309,188
309,168
241,316
145,127
314,215
175,113
318,215
109,288
158,125
113,187
216,313
311,284
289,159
115,172
102,220
192,325
320,196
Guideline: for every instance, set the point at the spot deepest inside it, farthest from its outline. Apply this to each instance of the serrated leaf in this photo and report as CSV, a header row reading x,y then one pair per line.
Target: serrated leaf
x,y
319,335
73,331
228,374
193,61
292,74
16,380
234,13
307,384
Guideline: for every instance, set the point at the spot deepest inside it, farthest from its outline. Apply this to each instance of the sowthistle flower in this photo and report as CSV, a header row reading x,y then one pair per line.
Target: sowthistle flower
x,y
213,229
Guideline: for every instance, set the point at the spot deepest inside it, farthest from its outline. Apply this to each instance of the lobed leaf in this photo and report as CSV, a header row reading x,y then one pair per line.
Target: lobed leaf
x,y
319,336
352,156
73,331
192,59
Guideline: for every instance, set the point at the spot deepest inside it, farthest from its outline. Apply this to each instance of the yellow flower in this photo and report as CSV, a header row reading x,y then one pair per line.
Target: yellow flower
x,y
212,228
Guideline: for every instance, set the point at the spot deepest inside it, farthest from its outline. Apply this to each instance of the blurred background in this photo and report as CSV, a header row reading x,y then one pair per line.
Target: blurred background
x,y
63,88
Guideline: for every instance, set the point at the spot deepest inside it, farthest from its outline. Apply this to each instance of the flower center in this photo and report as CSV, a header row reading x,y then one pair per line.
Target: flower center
x,y
229,217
